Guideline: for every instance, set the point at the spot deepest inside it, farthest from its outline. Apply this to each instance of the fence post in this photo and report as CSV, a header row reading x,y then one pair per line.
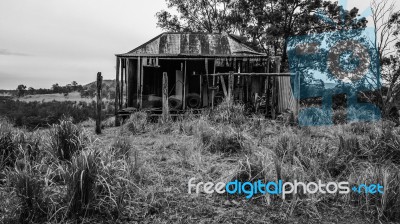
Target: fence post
x,y
98,117
165,108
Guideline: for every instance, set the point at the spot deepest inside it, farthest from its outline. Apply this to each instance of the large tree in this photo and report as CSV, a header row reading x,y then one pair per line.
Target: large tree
x,y
266,24
386,21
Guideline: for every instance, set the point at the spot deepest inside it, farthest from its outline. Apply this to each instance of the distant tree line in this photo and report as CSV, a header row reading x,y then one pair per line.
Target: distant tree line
x,y
22,90
88,91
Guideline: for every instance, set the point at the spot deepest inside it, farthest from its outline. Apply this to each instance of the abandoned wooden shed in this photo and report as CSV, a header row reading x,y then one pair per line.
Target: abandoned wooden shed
x,y
199,70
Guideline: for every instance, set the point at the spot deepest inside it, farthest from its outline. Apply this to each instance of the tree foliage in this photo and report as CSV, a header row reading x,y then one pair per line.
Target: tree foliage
x,y
21,89
265,24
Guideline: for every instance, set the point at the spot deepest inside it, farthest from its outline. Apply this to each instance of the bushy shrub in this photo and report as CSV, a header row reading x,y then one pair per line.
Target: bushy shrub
x,y
65,139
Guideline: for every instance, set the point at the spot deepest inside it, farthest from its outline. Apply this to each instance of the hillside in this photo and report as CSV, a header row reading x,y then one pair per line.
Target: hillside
x,y
108,83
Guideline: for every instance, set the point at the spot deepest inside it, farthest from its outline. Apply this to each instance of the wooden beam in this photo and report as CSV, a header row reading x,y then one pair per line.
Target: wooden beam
x,y
202,58
165,108
98,111
116,105
251,74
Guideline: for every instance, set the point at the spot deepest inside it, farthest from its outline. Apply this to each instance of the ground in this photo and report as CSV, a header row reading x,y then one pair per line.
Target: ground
x,y
149,183
162,155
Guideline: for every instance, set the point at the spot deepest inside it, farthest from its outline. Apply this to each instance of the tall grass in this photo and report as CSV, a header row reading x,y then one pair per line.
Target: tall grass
x,y
65,139
121,176
29,188
9,148
225,140
384,206
229,112
136,123
81,182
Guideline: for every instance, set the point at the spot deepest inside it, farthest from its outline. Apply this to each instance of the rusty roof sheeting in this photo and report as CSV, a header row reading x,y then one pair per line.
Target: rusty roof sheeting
x,y
193,44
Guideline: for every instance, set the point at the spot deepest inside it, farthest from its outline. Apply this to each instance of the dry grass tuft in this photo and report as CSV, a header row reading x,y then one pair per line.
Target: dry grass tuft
x,y
65,139
81,182
136,123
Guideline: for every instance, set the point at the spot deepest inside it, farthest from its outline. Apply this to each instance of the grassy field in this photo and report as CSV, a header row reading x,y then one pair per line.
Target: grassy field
x,y
74,96
139,173
36,111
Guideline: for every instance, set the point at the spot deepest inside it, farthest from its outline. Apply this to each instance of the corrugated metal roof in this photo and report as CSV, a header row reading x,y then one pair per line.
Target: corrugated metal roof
x,y
193,44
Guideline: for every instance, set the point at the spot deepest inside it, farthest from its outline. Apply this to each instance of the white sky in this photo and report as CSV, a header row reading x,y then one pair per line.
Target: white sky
x,y
43,42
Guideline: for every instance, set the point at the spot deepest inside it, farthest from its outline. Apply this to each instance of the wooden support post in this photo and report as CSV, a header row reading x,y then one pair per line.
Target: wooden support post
x,y
223,86
184,87
277,87
138,82
266,78
230,85
123,66
201,90
98,111
144,62
165,108
267,90
296,93
256,101
213,84
117,94
273,95
126,82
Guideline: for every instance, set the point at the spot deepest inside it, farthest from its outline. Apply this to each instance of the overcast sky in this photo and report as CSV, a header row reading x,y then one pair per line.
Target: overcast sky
x,y
43,42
